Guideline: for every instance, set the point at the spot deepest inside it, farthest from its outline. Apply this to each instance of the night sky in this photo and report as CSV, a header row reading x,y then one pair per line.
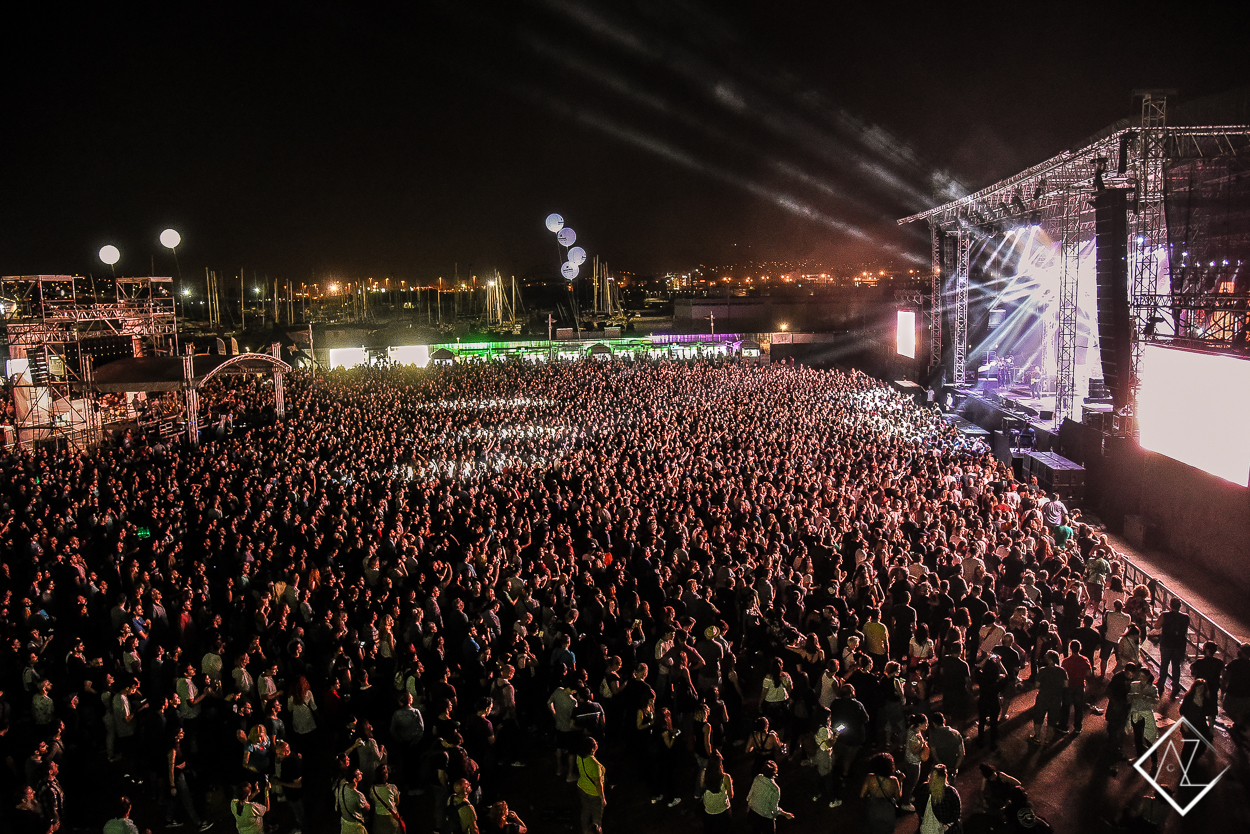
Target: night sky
x,y
325,141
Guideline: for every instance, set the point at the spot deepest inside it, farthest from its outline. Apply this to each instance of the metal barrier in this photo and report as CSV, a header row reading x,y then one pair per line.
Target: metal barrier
x,y
1201,629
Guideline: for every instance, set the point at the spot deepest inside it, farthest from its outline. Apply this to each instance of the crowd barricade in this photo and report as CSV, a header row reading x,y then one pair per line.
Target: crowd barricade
x,y
1201,627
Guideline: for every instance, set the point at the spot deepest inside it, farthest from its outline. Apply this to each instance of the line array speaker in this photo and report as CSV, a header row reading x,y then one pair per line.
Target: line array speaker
x,y
1115,324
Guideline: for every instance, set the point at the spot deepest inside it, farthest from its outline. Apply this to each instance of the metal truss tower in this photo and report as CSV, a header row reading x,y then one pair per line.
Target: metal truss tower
x,y
1065,343
1148,225
963,246
935,300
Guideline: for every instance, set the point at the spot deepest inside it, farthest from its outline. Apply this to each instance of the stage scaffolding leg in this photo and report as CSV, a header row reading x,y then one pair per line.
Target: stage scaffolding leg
x,y
1147,227
193,400
935,300
963,245
1065,349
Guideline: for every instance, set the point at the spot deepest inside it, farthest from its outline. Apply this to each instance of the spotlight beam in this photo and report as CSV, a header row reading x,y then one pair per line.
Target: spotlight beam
x,y
683,158
742,101
615,83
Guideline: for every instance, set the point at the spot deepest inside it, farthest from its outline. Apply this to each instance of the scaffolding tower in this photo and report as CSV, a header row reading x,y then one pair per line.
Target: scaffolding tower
x,y
935,304
54,327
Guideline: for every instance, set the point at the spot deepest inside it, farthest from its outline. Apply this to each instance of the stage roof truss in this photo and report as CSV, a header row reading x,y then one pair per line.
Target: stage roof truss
x,y
1057,196
49,309
1045,186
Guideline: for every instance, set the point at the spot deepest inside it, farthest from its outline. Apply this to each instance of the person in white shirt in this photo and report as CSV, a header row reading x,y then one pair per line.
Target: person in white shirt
x,y
1114,624
211,665
991,634
189,694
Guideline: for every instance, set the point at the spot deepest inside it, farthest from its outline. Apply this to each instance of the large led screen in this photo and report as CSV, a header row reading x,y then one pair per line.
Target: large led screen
x,y
1195,407
905,339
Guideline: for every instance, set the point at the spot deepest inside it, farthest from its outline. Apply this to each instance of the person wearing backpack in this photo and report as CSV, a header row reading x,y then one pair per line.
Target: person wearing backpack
x,y
454,765
461,815
351,804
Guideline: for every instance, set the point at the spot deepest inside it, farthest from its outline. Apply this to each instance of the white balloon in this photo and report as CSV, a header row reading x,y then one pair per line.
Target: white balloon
x,y
566,236
569,270
170,239
555,222
577,255
110,255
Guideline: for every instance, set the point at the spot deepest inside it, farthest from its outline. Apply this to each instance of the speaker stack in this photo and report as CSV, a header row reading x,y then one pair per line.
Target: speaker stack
x,y
1115,324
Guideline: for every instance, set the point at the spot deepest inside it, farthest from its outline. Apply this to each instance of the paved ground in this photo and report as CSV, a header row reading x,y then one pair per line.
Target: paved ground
x,y
1223,603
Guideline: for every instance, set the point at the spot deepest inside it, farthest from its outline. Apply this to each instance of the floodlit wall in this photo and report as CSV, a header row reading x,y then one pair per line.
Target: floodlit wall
x,y
418,355
347,357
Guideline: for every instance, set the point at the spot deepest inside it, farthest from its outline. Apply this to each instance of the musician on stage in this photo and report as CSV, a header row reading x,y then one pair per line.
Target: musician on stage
x,y
1035,381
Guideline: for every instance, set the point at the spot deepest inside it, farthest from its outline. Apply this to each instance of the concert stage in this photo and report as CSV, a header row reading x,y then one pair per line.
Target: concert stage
x,y
1024,434
991,407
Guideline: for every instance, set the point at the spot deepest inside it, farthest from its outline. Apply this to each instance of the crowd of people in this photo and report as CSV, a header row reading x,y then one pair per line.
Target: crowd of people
x,y
427,596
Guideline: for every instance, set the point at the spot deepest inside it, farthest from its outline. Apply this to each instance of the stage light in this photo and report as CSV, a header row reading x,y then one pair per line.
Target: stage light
x,y
170,239
110,254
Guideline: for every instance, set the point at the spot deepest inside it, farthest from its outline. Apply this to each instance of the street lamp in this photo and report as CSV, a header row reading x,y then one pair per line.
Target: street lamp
x,y
110,255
